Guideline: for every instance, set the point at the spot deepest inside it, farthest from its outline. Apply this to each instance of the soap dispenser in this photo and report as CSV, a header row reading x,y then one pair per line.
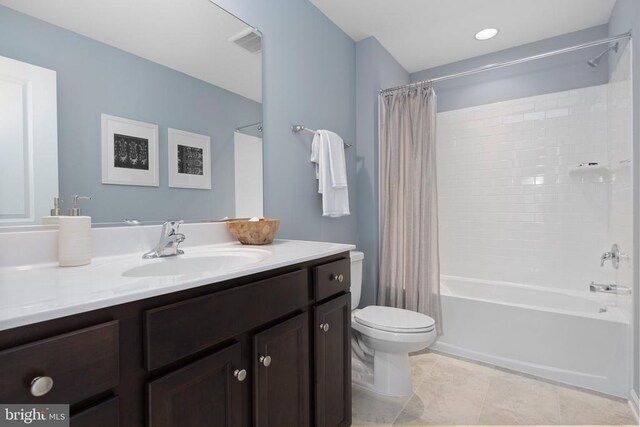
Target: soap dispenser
x,y
74,236
55,213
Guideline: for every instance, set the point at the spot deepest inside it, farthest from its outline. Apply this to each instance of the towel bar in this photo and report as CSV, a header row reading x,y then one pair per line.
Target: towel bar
x,y
300,128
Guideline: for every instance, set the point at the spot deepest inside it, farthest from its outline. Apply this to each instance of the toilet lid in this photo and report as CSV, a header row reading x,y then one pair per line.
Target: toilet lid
x,y
394,319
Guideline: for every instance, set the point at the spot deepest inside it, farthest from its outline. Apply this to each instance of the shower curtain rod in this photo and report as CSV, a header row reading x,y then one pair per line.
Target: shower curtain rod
x,y
489,67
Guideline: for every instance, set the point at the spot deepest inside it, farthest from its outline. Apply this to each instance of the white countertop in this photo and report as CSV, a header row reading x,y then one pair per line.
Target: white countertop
x,y
35,293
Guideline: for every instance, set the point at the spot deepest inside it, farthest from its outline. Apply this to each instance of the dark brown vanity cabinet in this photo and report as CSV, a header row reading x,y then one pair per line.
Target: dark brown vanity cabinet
x,y
267,350
204,393
65,368
281,363
333,362
209,392
103,414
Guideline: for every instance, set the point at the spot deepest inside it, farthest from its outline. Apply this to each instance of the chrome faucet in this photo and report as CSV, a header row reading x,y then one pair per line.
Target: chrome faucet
x,y
169,241
609,288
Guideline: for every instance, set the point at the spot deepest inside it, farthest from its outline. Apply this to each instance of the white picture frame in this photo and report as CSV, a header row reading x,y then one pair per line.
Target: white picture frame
x,y
189,160
129,152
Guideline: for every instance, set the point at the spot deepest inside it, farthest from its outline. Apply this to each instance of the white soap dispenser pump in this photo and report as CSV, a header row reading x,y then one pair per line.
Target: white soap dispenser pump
x,y
74,236
56,211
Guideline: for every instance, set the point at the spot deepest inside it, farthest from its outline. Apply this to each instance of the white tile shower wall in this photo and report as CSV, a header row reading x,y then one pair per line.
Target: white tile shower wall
x,y
619,118
509,207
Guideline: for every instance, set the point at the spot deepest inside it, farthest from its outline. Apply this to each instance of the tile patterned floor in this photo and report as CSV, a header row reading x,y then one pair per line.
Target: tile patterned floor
x,y
453,391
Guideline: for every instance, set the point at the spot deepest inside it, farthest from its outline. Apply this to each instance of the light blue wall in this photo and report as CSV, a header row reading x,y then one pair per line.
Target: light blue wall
x,y
94,78
558,73
308,78
625,17
375,69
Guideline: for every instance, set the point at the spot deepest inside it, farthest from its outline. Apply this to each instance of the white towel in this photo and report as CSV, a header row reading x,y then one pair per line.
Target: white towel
x,y
327,152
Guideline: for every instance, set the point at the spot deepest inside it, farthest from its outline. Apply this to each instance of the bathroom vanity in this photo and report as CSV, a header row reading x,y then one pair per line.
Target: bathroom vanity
x,y
223,335
266,345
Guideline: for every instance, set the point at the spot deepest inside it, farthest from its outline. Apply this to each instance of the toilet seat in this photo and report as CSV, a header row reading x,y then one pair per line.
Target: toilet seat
x,y
396,320
393,338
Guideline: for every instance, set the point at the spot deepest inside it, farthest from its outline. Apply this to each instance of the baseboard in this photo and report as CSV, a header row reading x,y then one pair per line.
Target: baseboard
x,y
634,402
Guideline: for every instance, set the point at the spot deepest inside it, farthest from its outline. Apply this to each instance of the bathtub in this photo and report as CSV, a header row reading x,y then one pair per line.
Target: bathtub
x,y
570,337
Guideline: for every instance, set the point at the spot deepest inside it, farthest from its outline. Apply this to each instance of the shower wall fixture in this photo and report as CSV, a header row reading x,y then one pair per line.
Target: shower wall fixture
x,y
596,61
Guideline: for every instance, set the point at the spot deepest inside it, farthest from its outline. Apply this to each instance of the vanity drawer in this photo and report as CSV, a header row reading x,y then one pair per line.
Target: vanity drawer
x,y
104,414
81,364
332,278
179,330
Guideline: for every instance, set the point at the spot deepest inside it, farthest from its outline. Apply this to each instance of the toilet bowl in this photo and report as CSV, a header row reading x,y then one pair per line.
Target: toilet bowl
x,y
382,339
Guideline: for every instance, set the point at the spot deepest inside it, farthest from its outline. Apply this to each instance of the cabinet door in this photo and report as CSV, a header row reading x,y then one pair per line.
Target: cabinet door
x,y
332,325
281,366
204,393
104,414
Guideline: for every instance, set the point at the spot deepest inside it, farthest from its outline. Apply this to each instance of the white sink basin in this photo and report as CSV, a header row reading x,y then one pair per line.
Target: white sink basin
x,y
211,261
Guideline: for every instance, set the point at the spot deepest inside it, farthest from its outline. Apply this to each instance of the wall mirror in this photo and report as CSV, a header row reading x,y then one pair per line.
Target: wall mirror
x,y
153,108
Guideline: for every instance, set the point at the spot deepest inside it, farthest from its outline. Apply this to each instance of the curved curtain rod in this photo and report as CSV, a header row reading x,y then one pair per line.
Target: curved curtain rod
x,y
490,67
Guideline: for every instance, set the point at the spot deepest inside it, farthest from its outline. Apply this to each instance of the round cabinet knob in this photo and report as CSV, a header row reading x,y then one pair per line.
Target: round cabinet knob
x,y
41,386
324,327
337,277
240,374
265,360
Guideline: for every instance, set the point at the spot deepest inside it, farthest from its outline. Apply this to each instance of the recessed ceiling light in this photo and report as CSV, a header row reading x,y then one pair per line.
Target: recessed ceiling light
x,y
486,34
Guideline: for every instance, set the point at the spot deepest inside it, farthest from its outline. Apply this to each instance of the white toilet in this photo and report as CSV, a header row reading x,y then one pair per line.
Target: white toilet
x,y
382,339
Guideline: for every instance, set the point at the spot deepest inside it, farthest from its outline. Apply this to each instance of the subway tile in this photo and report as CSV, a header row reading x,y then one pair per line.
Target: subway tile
x,y
534,116
523,107
559,112
509,181
546,104
514,118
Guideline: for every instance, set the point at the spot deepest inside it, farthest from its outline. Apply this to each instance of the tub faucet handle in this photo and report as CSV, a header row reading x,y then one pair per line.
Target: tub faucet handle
x,y
605,257
613,255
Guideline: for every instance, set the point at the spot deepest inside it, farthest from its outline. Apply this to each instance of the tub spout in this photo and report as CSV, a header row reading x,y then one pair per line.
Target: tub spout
x,y
609,288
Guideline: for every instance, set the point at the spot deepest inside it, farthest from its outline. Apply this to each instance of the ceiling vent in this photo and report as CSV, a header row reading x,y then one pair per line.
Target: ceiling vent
x,y
248,39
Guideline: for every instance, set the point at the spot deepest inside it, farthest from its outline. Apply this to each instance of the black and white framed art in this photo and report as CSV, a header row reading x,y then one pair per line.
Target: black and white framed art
x,y
129,152
189,160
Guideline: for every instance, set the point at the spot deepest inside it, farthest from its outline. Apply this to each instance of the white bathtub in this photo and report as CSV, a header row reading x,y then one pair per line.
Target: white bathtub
x,y
569,337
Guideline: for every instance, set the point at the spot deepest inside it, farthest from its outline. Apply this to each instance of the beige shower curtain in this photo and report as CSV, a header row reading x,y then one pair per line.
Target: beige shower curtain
x,y
409,255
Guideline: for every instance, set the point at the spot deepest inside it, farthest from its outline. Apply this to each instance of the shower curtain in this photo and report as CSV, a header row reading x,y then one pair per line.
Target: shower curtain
x,y
409,258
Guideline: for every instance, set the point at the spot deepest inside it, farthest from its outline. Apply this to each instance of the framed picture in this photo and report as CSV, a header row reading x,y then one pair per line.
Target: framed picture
x,y
189,160
129,152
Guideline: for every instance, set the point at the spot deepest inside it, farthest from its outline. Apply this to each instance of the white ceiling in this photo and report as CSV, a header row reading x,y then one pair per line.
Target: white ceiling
x,y
422,34
190,36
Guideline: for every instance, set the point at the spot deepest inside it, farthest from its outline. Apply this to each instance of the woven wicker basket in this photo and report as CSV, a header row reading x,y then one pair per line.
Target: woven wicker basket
x,y
254,232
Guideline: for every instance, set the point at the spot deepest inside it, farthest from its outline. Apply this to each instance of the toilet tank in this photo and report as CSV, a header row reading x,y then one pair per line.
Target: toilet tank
x,y
357,258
